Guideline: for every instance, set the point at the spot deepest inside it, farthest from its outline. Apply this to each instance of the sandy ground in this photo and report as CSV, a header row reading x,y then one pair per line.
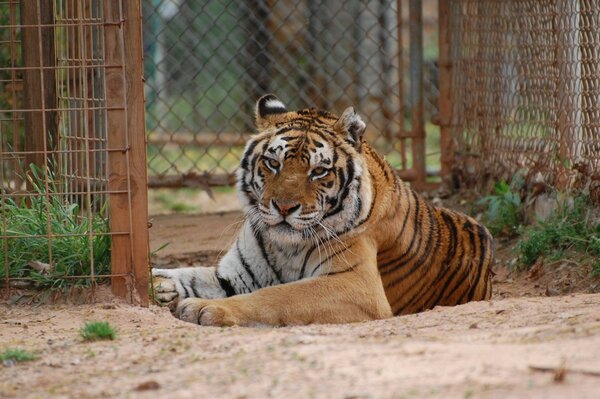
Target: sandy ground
x,y
511,347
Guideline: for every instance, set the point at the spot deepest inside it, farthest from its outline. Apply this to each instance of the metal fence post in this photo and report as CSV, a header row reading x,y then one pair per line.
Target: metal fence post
x,y
445,99
416,89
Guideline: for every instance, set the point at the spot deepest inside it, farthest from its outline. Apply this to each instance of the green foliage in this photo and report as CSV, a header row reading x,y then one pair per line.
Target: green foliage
x,y
28,223
97,331
504,211
17,355
572,226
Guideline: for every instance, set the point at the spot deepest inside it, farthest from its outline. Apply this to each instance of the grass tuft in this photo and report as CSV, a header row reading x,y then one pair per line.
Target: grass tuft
x,y
27,222
17,355
98,331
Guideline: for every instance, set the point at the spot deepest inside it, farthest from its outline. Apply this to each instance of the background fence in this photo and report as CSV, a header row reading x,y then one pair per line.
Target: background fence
x,y
524,88
207,62
72,146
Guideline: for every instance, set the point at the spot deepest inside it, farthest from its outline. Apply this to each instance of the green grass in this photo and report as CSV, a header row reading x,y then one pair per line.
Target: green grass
x,y
68,252
174,160
572,226
98,331
177,200
17,355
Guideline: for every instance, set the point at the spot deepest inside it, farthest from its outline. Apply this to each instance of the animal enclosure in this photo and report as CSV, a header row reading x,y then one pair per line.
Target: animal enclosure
x,y
73,164
472,91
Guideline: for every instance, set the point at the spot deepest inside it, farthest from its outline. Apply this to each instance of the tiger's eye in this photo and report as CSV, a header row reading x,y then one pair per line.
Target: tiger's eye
x,y
319,171
272,163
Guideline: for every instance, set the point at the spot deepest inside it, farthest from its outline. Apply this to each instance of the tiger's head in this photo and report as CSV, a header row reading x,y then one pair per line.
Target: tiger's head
x,y
303,175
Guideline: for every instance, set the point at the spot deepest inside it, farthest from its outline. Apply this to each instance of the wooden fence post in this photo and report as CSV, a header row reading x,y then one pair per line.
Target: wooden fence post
x,y
126,130
39,80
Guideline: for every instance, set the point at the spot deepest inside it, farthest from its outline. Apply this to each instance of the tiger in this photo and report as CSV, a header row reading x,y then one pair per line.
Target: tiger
x,y
330,234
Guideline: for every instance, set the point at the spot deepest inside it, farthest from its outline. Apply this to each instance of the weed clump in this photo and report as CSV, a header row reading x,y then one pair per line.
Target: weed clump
x,y
504,213
98,331
571,226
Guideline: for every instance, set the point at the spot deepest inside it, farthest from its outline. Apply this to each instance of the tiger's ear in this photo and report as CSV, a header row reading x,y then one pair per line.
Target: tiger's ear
x,y
351,125
269,110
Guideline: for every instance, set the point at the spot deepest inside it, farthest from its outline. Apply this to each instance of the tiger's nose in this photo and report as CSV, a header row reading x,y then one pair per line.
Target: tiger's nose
x,y
285,207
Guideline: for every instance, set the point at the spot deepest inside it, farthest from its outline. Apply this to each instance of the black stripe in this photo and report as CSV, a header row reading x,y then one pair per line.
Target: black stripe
x,y
193,285
345,189
250,148
308,253
459,265
263,251
349,269
312,273
451,225
424,255
400,234
247,267
463,277
487,286
187,293
446,264
226,286
433,231
467,226
482,255
393,262
383,165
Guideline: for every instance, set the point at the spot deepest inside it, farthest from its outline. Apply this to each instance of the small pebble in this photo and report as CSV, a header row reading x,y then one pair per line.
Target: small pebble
x,y
148,386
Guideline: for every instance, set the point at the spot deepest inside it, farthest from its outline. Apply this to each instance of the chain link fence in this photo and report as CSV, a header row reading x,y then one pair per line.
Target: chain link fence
x,y
206,63
526,90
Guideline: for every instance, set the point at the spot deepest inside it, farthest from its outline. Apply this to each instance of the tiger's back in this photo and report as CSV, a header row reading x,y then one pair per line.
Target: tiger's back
x,y
427,255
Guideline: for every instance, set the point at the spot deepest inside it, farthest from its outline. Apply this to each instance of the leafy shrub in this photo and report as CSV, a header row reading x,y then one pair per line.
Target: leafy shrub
x,y
504,211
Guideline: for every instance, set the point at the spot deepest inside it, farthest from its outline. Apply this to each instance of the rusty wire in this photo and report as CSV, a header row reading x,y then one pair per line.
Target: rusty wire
x,y
54,114
525,90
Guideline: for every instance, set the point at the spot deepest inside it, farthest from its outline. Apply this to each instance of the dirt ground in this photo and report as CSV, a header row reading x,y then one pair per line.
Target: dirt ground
x,y
528,342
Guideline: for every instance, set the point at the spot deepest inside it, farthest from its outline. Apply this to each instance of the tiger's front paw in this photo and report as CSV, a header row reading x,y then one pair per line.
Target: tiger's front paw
x,y
205,313
165,290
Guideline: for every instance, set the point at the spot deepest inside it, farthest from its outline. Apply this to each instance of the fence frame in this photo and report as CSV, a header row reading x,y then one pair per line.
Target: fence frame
x,y
126,120
445,98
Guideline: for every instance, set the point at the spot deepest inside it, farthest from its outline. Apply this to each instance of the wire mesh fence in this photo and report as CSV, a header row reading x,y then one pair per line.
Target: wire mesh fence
x,y
207,62
71,155
525,90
